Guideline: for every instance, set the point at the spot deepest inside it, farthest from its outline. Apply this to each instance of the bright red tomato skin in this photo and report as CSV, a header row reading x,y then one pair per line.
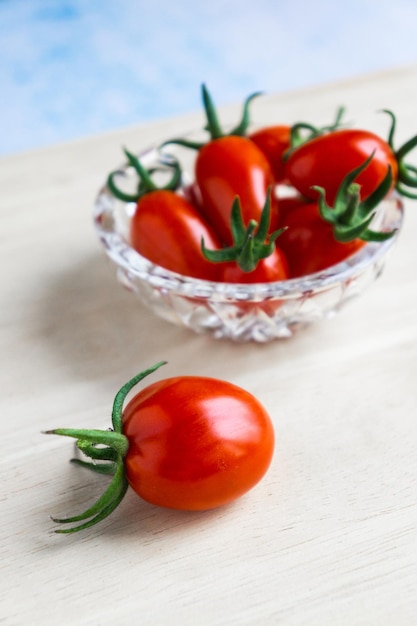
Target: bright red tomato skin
x,y
167,230
287,205
195,443
325,161
273,141
228,167
272,268
309,243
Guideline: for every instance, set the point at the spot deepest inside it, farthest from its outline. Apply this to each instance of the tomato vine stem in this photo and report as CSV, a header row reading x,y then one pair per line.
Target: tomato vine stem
x,y
350,216
106,449
297,138
146,184
251,243
213,125
407,173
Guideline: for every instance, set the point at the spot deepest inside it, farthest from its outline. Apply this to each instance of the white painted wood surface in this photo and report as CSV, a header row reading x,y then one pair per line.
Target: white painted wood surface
x,y
328,537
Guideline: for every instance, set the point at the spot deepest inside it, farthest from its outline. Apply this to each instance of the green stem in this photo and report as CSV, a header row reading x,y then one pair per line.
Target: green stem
x,y
97,454
141,171
110,447
122,393
109,469
351,205
105,512
350,217
251,243
391,132
146,184
118,193
114,440
404,178
243,125
297,138
337,122
213,124
406,148
112,492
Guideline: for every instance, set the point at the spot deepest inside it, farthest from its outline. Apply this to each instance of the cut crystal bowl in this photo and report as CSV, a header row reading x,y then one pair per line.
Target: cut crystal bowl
x,y
240,312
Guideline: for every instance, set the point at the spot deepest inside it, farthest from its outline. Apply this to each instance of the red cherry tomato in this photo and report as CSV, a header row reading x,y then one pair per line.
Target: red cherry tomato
x,y
167,230
287,205
272,268
325,161
195,443
309,243
254,256
228,167
273,141
190,443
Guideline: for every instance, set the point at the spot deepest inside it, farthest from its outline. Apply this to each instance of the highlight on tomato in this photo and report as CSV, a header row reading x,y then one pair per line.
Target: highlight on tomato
x,y
318,235
229,164
166,228
254,256
275,141
188,443
326,159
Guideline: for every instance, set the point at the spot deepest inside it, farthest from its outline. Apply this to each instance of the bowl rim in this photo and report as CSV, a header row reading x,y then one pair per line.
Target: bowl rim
x,y
135,265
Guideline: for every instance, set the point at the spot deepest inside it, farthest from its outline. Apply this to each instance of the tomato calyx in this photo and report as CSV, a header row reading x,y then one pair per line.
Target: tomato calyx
x,y
106,450
251,243
146,183
213,125
407,173
350,216
298,137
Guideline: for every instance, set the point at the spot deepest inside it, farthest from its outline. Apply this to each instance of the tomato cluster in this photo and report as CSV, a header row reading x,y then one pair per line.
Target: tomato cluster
x,y
281,202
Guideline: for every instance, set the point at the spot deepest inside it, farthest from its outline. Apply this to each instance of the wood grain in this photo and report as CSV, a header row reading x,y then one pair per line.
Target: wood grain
x,y
329,536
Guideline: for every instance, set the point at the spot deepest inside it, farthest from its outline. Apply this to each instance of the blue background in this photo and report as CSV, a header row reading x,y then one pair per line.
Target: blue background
x,y
73,68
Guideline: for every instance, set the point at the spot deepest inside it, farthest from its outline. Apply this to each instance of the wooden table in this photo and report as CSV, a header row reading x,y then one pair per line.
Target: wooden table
x,y
328,537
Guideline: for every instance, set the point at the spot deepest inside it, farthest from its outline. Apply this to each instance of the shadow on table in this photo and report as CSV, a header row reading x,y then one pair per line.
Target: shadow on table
x,y
135,520
95,328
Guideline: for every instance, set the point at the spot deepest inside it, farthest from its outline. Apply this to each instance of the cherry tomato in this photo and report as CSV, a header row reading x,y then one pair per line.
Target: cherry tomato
x,y
228,167
273,267
189,442
325,160
287,205
273,141
167,230
309,243
254,256
195,443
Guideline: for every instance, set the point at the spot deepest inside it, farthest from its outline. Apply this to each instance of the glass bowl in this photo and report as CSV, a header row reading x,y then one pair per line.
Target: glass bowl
x,y
240,312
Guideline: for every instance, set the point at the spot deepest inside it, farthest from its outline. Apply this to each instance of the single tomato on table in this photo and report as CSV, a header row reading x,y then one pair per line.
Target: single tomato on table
x,y
188,442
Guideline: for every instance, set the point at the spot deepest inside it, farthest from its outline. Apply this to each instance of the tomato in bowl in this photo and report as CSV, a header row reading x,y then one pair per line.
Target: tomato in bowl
x,y
239,311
